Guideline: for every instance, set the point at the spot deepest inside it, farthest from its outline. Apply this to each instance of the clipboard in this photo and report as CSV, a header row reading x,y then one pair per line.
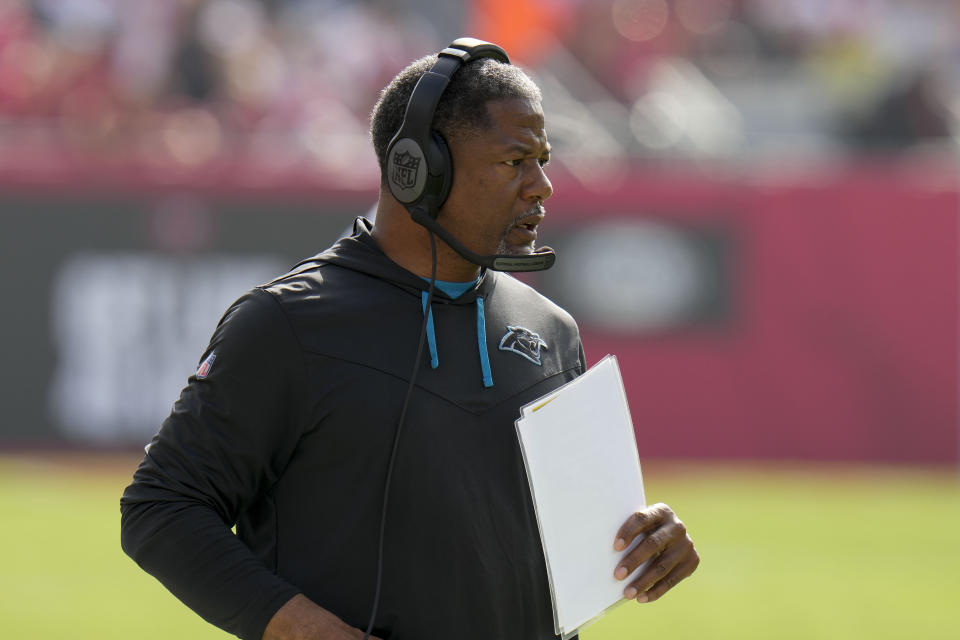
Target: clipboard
x,y
583,468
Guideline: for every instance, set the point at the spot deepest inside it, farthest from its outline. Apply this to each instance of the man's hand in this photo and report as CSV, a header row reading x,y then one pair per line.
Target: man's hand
x,y
302,619
667,546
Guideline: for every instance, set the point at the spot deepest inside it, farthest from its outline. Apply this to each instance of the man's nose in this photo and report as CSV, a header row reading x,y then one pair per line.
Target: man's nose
x,y
539,187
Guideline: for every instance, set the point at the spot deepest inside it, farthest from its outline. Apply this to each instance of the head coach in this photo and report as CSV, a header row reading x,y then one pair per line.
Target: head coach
x,y
354,419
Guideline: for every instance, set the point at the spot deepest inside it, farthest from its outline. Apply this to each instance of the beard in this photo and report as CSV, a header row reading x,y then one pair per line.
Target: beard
x,y
504,248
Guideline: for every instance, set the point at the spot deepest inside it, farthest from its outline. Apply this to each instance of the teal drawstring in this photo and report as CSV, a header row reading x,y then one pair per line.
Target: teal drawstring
x,y
455,290
482,345
431,336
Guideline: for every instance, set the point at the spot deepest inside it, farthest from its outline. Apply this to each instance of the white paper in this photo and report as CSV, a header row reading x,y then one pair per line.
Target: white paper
x,y
581,458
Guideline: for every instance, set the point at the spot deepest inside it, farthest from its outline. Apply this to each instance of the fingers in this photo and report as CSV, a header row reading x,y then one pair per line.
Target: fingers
x,y
662,574
664,529
641,522
666,545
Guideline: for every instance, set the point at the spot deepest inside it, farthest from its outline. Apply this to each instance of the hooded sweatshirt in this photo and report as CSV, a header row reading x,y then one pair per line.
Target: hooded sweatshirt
x,y
285,432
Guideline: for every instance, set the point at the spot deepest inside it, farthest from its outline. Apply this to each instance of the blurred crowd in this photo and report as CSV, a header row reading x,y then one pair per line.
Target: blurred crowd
x,y
289,81
189,81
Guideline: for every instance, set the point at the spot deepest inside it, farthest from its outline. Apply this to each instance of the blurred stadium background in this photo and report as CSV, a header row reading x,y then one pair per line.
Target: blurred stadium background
x,y
757,208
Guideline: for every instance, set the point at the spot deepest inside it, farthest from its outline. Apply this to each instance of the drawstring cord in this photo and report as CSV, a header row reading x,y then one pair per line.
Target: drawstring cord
x,y
482,345
431,336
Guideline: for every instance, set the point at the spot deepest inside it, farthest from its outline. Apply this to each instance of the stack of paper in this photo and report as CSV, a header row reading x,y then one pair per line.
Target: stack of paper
x,y
581,459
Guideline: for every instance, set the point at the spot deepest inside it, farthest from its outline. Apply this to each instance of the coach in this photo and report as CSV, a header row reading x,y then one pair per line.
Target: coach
x,y
354,419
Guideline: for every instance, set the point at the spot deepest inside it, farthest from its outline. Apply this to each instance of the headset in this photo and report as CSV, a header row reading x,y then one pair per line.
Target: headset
x,y
419,168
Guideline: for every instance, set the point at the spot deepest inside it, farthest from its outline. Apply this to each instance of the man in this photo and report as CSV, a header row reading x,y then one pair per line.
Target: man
x,y
288,428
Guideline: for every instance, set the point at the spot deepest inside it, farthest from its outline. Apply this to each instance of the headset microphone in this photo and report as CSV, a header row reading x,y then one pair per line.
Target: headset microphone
x,y
542,258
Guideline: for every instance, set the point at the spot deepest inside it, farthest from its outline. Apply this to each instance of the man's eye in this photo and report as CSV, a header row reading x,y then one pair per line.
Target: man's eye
x,y
513,163
543,161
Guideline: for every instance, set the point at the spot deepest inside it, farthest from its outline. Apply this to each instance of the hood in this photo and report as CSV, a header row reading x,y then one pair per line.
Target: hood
x,y
360,252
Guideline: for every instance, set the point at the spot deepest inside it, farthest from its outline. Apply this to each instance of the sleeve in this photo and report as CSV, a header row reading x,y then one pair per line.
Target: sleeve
x,y
226,441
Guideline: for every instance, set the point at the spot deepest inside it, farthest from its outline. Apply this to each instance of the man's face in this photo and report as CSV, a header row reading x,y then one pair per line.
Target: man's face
x,y
499,182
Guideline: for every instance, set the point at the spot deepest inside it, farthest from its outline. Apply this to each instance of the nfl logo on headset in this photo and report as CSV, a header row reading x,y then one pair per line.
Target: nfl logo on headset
x,y
405,167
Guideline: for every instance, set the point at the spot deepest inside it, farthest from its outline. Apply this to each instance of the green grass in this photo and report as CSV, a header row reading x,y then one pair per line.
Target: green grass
x,y
787,552
63,574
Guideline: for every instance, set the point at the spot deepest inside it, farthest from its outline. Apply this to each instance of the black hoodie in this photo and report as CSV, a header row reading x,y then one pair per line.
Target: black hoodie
x,y
286,432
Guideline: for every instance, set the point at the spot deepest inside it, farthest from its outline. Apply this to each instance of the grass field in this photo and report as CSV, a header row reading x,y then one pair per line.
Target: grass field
x,y
787,551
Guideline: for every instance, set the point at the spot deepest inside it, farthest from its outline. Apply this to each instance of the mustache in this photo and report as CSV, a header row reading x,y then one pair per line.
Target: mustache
x,y
536,210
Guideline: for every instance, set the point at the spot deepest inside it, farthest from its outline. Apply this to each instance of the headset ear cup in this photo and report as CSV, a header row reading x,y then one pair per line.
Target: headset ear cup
x,y
407,170
444,171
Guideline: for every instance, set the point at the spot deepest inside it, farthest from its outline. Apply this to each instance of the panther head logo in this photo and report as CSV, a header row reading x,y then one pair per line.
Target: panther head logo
x,y
523,341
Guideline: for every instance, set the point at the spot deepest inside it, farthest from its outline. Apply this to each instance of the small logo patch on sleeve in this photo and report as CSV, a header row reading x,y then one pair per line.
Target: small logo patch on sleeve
x,y
204,369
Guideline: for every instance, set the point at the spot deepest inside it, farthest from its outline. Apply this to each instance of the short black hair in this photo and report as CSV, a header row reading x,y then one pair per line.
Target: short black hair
x,y
462,108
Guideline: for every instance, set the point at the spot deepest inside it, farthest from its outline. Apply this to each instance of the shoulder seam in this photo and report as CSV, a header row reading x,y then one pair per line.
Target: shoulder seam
x,y
298,269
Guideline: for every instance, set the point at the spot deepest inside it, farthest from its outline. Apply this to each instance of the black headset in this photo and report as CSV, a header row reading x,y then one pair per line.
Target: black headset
x,y
419,170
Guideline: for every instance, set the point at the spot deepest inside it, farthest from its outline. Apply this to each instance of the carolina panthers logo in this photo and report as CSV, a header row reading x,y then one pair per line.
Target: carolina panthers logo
x,y
524,342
